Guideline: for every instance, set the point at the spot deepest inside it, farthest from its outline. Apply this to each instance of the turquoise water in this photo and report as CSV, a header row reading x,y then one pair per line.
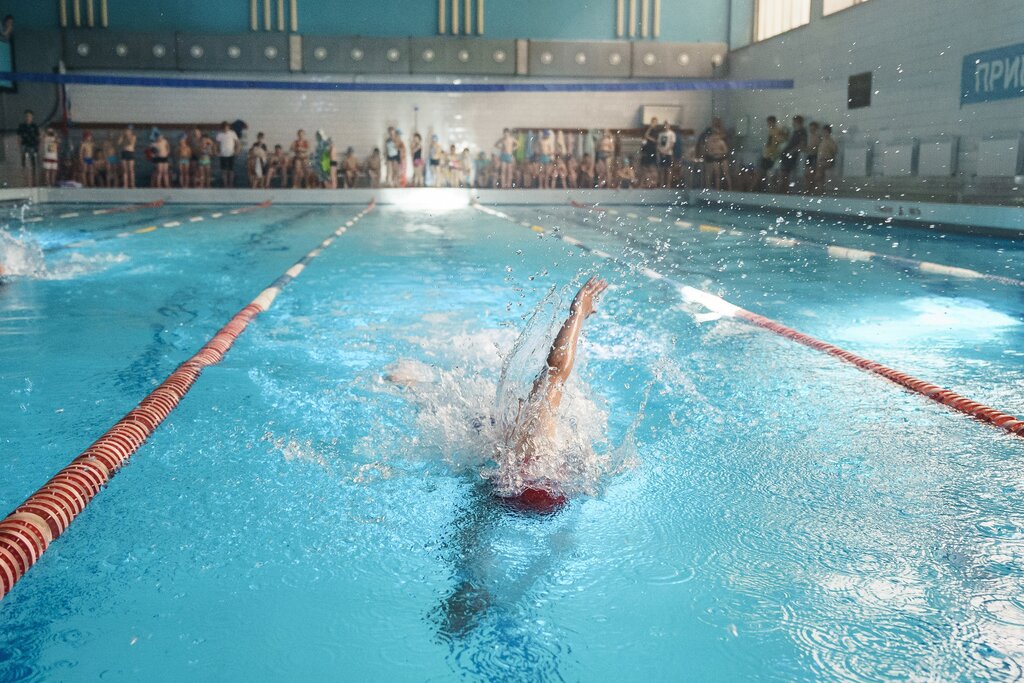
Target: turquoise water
x,y
777,515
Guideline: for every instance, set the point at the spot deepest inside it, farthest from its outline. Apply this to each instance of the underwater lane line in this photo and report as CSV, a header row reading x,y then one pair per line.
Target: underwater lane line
x,y
720,306
26,533
846,253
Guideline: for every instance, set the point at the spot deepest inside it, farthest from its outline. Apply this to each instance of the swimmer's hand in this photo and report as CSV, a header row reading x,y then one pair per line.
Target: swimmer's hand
x,y
585,300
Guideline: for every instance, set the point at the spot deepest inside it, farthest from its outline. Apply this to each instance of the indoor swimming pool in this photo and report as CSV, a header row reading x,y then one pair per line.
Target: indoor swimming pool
x,y
319,506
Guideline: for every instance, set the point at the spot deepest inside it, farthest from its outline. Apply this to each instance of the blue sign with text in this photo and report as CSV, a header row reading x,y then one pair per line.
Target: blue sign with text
x,y
993,75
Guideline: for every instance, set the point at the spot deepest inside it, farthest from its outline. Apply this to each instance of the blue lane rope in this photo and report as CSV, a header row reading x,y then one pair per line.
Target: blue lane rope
x,y
245,84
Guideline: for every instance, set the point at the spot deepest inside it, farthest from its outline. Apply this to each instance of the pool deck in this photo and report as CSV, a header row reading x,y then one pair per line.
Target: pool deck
x,y
1004,221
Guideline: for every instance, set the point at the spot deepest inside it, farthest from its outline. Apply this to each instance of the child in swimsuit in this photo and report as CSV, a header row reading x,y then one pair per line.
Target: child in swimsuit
x,y
436,152
110,152
300,150
51,156
86,153
417,160
184,161
205,155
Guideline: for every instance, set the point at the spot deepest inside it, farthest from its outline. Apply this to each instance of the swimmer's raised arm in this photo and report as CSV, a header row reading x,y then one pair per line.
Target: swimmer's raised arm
x,y
562,355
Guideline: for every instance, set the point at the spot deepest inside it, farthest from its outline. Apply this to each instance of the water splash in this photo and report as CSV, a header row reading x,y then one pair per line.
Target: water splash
x,y
473,409
20,255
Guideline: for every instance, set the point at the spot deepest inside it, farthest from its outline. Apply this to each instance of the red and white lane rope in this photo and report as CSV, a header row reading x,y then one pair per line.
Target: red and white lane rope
x,y
833,250
722,307
28,531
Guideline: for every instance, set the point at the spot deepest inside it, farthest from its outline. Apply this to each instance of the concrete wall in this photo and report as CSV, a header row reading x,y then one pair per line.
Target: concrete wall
x,y
914,49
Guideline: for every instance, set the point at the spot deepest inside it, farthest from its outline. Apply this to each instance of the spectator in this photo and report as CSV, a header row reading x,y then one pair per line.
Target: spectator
x,y
162,160
300,159
828,150
416,146
393,156
87,156
351,165
546,152
716,158
811,156
602,158
227,147
790,156
127,143
256,162
28,141
184,161
277,163
770,153
51,156
110,152
649,155
665,147
373,167
507,147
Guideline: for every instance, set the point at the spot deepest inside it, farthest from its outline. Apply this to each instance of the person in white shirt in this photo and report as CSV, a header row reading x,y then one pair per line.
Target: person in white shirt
x,y
227,148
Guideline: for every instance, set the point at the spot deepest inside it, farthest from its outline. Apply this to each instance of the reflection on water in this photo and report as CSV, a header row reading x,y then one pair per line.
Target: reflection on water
x,y
501,562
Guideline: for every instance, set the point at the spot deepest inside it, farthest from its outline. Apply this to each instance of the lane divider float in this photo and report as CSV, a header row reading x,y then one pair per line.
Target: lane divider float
x,y
720,307
28,531
130,207
169,224
127,208
846,253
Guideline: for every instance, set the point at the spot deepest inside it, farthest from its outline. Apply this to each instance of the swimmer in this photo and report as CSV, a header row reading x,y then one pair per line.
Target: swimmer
x,y
537,418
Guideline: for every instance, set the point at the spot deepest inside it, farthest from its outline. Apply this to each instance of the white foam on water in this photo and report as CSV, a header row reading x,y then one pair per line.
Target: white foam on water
x,y
474,409
20,256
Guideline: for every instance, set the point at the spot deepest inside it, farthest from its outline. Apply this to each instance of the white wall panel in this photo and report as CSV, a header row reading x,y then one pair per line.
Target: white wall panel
x,y
914,49
360,118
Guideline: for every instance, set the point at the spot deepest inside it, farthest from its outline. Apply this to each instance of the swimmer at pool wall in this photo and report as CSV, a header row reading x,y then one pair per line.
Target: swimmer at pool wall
x,y
546,394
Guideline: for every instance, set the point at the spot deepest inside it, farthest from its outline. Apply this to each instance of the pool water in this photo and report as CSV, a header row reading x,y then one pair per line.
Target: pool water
x,y
755,509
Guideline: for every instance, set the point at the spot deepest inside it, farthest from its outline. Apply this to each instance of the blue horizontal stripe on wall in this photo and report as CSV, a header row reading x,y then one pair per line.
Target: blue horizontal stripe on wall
x,y
242,84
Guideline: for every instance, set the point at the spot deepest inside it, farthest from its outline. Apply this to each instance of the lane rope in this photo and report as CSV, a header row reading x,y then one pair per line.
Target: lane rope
x,y
127,208
26,533
838,252
149,228
721,307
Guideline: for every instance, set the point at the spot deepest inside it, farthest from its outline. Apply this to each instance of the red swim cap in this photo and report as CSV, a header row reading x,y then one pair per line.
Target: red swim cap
x,y
538,501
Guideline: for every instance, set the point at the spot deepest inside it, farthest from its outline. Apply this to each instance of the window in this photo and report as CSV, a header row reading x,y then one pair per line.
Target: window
x,y
858,91
833,6
778,16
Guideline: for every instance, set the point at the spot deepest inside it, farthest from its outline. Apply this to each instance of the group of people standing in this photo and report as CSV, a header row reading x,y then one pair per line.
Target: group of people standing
x,y
783,151
790,160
